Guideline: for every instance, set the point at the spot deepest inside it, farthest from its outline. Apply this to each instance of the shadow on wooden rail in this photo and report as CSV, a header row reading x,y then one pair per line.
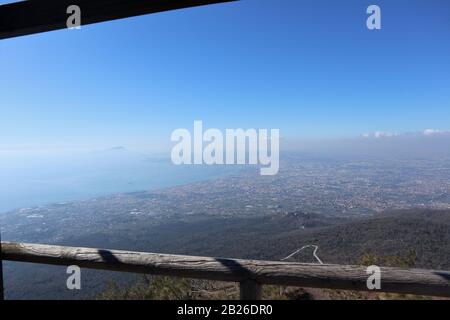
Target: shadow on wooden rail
x,y
251,274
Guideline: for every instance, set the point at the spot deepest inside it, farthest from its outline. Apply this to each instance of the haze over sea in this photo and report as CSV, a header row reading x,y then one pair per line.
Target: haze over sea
x,y
32,179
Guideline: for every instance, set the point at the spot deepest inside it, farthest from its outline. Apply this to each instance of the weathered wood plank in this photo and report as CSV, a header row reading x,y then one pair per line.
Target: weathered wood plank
x,y
414,281
28,17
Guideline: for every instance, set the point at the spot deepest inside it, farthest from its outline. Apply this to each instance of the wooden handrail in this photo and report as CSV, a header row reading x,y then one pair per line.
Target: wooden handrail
x,y
250,273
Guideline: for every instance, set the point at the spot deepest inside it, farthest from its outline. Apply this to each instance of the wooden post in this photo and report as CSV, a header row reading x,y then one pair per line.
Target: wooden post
x,y
250,290
2,297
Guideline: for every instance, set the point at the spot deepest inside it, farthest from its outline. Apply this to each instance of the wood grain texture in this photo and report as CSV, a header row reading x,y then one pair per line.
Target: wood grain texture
x,y
250,290
413,281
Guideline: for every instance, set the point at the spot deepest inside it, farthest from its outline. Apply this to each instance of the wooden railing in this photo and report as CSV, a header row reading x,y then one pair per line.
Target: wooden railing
x,y
251,274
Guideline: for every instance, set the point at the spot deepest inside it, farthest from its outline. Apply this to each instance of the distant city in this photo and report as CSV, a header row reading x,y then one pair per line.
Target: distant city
x,y
340,188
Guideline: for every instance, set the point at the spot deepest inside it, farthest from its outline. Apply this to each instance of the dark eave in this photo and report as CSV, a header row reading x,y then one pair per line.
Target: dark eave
x,y
34,16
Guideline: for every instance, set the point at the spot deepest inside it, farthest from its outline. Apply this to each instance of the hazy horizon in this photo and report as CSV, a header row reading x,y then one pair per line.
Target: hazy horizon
x,y
309,68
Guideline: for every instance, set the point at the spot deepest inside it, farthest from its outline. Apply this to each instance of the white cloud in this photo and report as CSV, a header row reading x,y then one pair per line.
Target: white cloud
x,y
378,135
426,133
383,134
435,132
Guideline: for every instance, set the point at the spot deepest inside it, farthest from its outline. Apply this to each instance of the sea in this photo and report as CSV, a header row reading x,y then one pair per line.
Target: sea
x,y
36,179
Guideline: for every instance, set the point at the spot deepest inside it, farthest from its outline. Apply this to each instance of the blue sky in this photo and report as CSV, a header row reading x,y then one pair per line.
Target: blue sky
x,y
310,68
